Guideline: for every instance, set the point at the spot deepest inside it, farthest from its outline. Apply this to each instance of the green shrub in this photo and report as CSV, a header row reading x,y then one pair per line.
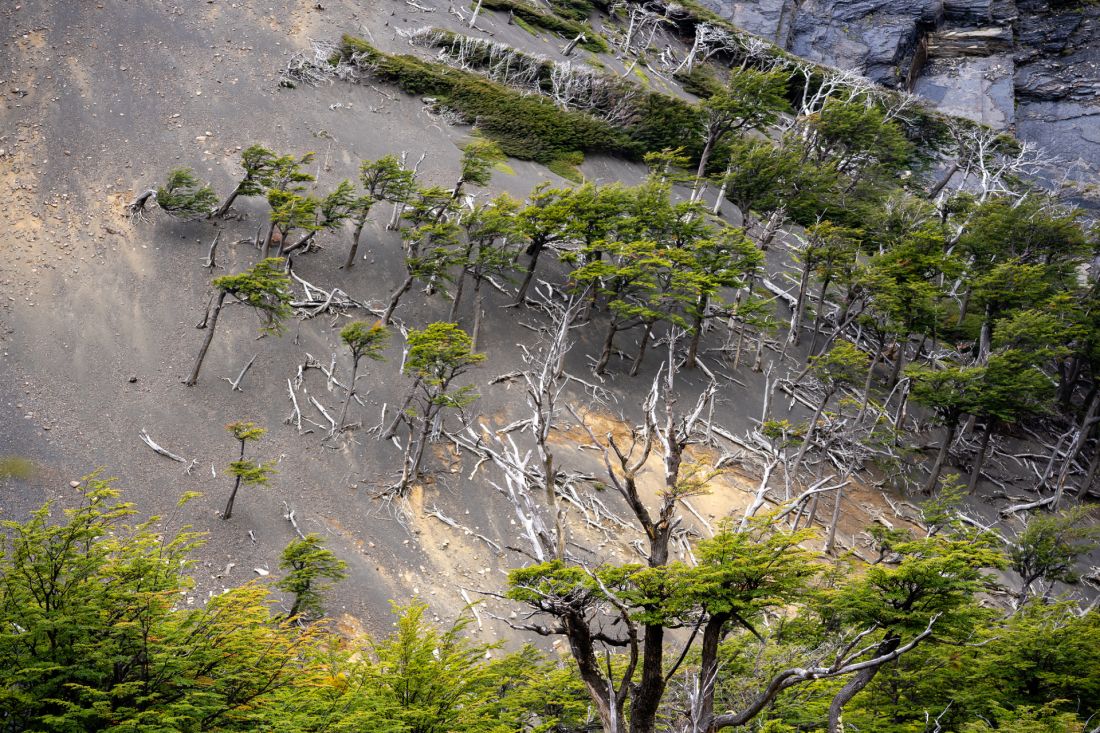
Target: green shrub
x,y
526,127
569,27
566,167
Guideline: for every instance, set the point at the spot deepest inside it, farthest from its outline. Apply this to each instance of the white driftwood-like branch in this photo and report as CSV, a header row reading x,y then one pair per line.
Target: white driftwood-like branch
x,y
159,449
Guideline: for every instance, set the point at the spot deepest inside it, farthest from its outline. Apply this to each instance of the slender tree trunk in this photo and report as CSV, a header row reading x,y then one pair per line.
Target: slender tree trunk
x,y
808,438
267,241
964,306
758,358
867,387
641,350
232,497
858,681
941,456
795,334
211,322
233,494
696,335
979,460
350,262
830,542
722,197
222,210
421,444
819,316
899,361
703,711
521,296
347,400
701,171
608,344
395,298
477,314
453,315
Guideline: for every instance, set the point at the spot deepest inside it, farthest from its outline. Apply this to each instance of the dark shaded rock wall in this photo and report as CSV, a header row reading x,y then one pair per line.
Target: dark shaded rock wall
x,y
1028,66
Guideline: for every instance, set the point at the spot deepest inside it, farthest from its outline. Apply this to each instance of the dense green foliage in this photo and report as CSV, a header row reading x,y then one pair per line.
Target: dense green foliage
x,y
568,24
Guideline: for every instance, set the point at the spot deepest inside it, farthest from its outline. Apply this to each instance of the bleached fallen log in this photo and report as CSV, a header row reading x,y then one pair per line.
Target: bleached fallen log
x,y
159,449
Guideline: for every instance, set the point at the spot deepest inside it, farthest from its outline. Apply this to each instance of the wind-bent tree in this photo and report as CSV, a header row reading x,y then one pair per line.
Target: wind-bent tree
x,y
752,100
476,168
384,179
1012,388
362,339
183,196
244,470
289,208
490,237
1049,549
259,166
313,569
948,393
725,260
431,251
542,223
437,356
265,288
331,212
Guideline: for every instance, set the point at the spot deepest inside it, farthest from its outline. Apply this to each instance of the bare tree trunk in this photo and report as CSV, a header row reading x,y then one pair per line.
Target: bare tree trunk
x,y
211,322
521,296
641,350
608,344
395,298
267,241
224,208
233,494
347,400
476,330
830,542
452,317
979,460
795,334
808,438
701,170
473,16
941,456
350,262
859,680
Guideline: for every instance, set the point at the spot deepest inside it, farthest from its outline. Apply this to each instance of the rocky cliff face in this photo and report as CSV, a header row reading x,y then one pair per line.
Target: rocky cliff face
x,y
1027,66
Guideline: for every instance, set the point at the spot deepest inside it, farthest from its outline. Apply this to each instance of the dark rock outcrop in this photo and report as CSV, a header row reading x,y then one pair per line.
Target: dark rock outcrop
x,y
1028,66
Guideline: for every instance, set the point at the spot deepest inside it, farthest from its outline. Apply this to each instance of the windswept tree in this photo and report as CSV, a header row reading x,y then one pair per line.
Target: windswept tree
x,y
244,470
259,166
489,232
265,288
330,213
431,251
542,223
1050,547
290,208
948,393
384,179
437,356
311,569
751,100
363,340
476,168
183,196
